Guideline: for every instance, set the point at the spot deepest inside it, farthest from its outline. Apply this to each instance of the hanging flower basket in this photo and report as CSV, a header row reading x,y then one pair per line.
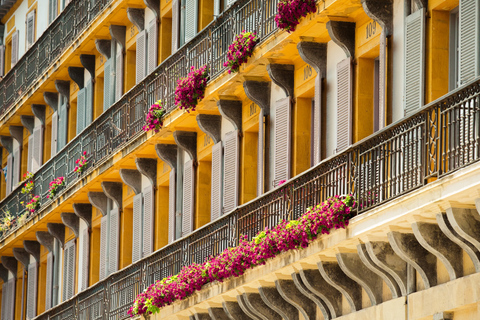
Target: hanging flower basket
x,y
289,13
154,117
240,50
191,89
81,163
54,186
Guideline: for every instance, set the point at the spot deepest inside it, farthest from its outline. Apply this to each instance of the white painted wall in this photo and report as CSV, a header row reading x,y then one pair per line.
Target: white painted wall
x,y
398,76
149,16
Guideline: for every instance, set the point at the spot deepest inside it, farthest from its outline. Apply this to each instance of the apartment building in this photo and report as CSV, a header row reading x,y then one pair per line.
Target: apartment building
x,y
378,98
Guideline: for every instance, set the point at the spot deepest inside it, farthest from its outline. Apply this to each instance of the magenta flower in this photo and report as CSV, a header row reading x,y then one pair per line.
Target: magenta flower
x,y
289,12
191,89
240,50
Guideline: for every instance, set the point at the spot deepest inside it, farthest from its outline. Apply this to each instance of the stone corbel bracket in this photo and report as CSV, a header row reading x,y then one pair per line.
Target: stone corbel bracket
x,y
84,212
88,62
98,200
119,34
22,256
132,178
114,191
148,167
232,111
259,93
137,17
283,76
381,11
187,141
45,239
28,122
17,133
71,220
7,143
343,34
211,125
3,273
63,87
39,112
315,54
167,153
154,5
77,74
51,98
57,230
32,248
10,263
104,47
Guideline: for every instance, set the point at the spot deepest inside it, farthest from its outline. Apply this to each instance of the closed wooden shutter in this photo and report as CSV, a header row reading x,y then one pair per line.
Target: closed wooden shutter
x,y
152,46
140,56
17,165
54,145
344,105
9,173
30,28
217,169
260,153
114,245
171,206
317,121
107,76
53,10
15,44
37,158
30,155
32,290
148,219
2,60
231,171
81,101
118,75
414,61
49,281
62,125
468,40
175,25
11,299
191,15
188,198
4,300
88,103
137,227
103,247
85,259
69,270
283,123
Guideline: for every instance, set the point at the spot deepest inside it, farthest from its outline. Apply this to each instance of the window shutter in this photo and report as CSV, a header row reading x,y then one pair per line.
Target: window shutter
x,y
9,173
11,299
2,60
137,227
88,103
15,44
69,270
85,259
103,248
216,7
30,28
317,121
344,104
114,240
148,219
4,300
118,76
414,61
175,25
53,10
231,171
171,206
260,153
191,12
81,101
140,56
152,45
54,134
49,280
468,40
62,126
30,154
17,165
188,198
37,148
32,291
107,70
283,123
217,169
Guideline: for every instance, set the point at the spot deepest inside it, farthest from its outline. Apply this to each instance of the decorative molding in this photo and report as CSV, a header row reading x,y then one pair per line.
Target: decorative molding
x,y
84,212
51,98
98,200
315,54
259,93
39,112
104,47
33,248
7,143
118,33
88,62
154,5
187,141
63,87
45,239
114,191
381,11
148,167
22,256
137,17
77,74
10,263
17,133
57,230
28,122
132,178
72,221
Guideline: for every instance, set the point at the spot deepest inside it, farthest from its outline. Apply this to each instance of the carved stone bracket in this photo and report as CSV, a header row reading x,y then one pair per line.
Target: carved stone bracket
x,y
283,76
104,47
39,112
232,111
187,141
77,74
7,143
10,263
381,11
98,200
259,92
132,178
211,125
148,167
137,17
154,5
343,34
119,34
88,62
289,292
233,311
51,98
22,256
167,153
71,220
3,273
274,301
255,304
17,133
33,248
297,280
57,230
84,212
28,122
217,314
63,87
315,54
45,239
114,191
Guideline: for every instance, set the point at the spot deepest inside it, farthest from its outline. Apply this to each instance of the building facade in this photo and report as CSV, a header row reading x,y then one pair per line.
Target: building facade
x,y
378,98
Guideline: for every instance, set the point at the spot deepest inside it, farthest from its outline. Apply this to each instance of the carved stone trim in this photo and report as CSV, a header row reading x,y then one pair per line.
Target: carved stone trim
x,y
283,76
99,201
119,34
343,34
289,292
232,111
154,5
39,112
211,125
51,98
57,230
114,191
137,17
132,178
381,11
17,133
28,122
187,141
315,54
148,167
297,280
274,301
88,62
84,212
259,93
72,221
10,263
256,304
45,239
22,256
77,74
167,153
217,314
233,310
63,87
32,248
104,47
7,143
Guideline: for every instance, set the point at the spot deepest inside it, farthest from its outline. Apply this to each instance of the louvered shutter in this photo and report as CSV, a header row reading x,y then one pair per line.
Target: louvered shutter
x,y
140,56
231,171
85,259
30,28
88,103
118,76
4,300
260,153
344,105
152,46
414,61
317,121
66,271
32,290
171,206
53,10
30,155
54,145
148,219
468,40
81,101
17,165
11,299
107,67
188,198
103,247
137,227
49,281
283,123
114,247
15,44
9,173
191,15
62,126
216,7
217,169
37,148
2,60
175,25
71,269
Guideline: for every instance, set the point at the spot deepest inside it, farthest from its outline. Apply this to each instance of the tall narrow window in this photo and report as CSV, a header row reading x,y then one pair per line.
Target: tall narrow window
x,y
30,28
52,10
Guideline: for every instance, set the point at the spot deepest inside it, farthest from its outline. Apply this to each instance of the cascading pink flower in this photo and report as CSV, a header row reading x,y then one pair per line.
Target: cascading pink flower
x,y
240,50
154,117
289,12
191,89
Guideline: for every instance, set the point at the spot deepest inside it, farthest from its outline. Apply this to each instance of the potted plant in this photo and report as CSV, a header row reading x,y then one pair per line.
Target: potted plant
x,y
191,89
54,186
81,163
240,50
